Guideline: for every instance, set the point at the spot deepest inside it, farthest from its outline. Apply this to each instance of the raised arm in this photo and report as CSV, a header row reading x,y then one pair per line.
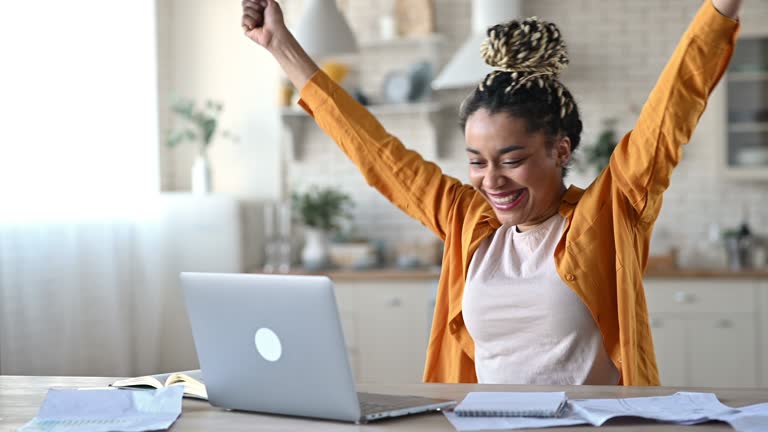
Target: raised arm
x,y
642,164
263,22
416,186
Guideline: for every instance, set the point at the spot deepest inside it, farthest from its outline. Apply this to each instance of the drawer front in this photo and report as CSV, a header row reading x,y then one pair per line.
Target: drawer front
x,y
700,296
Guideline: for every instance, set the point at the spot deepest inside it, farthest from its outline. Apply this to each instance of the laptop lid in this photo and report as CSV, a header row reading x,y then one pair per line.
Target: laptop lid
x,y
271,343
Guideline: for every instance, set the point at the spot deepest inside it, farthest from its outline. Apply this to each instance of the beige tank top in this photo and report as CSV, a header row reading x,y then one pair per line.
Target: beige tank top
x,y
528,326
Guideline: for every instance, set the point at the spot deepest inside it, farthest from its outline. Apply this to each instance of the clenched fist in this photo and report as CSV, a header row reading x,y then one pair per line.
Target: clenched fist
x,y
262,20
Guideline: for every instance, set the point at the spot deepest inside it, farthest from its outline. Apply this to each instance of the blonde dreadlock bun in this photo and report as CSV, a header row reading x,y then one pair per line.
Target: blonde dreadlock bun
x,y
528,46
532,53
528,57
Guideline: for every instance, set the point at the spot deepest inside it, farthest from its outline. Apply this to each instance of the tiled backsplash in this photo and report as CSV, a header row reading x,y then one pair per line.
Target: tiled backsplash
x,y
617,51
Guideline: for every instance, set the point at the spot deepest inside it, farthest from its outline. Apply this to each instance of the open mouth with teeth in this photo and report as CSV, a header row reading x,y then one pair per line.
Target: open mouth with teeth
x,y
508,201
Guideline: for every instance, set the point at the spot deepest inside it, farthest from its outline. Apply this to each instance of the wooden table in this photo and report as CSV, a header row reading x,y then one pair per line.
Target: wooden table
x,y
20,398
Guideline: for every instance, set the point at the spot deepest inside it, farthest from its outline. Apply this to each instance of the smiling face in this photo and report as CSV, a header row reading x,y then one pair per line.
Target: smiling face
x,y
519,172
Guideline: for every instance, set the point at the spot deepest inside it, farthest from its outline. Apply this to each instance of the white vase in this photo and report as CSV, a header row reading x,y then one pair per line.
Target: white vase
x,y
314,255
201,174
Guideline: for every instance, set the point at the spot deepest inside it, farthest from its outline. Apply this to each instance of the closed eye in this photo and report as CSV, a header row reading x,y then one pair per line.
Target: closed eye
x,y
514,162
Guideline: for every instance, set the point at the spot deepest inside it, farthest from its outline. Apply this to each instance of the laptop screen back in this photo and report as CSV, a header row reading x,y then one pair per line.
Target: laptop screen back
x,y
271,343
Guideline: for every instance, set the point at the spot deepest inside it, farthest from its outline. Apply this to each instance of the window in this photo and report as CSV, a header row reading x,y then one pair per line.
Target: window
x,y
79,134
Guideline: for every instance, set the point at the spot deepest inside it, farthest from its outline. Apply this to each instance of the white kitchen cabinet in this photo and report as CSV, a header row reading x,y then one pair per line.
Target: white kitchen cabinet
x,y
386,326
762,332
722,351
705,331
668,336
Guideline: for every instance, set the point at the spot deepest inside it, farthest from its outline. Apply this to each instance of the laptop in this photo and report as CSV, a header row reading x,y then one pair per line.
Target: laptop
x,y
274,344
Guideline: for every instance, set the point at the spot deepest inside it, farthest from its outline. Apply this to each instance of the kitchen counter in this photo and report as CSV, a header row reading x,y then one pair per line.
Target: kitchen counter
x,y
387,273
427,273
689,273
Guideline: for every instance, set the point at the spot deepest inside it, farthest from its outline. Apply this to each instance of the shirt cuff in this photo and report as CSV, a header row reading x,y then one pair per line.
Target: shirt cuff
x,y
316,92
712,26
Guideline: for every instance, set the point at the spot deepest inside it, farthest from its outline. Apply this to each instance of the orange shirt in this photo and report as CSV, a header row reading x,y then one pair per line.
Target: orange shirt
x,y
604,248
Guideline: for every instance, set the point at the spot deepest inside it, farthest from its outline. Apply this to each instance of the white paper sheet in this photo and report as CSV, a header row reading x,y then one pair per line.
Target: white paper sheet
x,y
680,408
753,418
107,410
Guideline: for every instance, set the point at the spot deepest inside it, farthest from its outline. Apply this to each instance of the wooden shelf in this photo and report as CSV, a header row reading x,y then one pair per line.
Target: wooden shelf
x,y
295,122
382,109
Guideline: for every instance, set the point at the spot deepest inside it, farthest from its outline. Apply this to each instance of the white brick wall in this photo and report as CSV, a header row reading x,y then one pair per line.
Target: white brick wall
x,y
617,50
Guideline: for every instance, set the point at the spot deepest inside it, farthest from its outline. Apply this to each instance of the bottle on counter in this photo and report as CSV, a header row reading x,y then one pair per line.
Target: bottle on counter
x,y
746,242
739,244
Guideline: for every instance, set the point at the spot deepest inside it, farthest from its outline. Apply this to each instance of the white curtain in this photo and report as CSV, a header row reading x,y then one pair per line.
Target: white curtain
x,y
72,294
103,297
89,252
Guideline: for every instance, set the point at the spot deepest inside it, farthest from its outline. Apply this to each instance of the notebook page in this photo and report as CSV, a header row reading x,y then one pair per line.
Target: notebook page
x,y
511,404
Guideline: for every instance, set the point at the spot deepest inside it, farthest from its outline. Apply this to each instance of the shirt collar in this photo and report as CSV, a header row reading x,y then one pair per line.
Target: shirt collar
x,y
570,198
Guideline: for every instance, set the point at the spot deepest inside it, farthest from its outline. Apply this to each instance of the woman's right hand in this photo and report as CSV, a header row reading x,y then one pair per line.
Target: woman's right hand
x,y
262,21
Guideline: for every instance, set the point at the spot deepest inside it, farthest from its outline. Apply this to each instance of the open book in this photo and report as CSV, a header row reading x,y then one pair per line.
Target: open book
x,y
192,381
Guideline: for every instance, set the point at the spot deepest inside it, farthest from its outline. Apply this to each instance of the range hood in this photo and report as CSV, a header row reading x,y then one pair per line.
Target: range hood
x,y
467,67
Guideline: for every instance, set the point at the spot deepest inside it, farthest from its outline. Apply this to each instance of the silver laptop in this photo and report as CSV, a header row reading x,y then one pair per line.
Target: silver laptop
x,y
274,344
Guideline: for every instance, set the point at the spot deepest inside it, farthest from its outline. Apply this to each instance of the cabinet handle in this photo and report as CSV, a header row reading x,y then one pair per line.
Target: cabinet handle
x,y
683,297
395,302
724,323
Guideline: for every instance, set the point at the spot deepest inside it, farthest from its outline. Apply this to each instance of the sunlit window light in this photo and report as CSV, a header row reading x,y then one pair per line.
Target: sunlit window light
x,y
79,134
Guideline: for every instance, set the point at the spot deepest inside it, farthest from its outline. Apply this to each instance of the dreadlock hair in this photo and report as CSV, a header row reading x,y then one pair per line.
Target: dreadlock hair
x,y
528,56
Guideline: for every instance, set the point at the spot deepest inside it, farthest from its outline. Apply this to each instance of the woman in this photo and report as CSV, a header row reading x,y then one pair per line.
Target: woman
x,y
541,284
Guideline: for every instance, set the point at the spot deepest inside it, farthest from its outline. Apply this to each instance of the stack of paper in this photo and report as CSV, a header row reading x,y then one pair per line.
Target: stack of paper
x,y
681,408
107,410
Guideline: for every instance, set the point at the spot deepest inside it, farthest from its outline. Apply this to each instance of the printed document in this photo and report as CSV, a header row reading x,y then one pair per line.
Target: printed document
x,y
89,410
684,408
680,408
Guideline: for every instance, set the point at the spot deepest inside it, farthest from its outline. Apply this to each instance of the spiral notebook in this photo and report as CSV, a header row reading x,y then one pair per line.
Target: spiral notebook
x,y
512,404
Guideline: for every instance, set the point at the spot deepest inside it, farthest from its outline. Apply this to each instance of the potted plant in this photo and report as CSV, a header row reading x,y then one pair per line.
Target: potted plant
x,y
599,154
198,126
321,211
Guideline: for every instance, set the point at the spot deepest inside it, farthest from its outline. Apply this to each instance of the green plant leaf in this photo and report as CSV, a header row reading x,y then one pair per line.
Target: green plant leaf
x,y
174,137
599,155
322,208
204,121
209,127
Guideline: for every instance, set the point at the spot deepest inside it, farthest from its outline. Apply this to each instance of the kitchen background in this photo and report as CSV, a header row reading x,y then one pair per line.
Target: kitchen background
x,y
617,50
102,297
